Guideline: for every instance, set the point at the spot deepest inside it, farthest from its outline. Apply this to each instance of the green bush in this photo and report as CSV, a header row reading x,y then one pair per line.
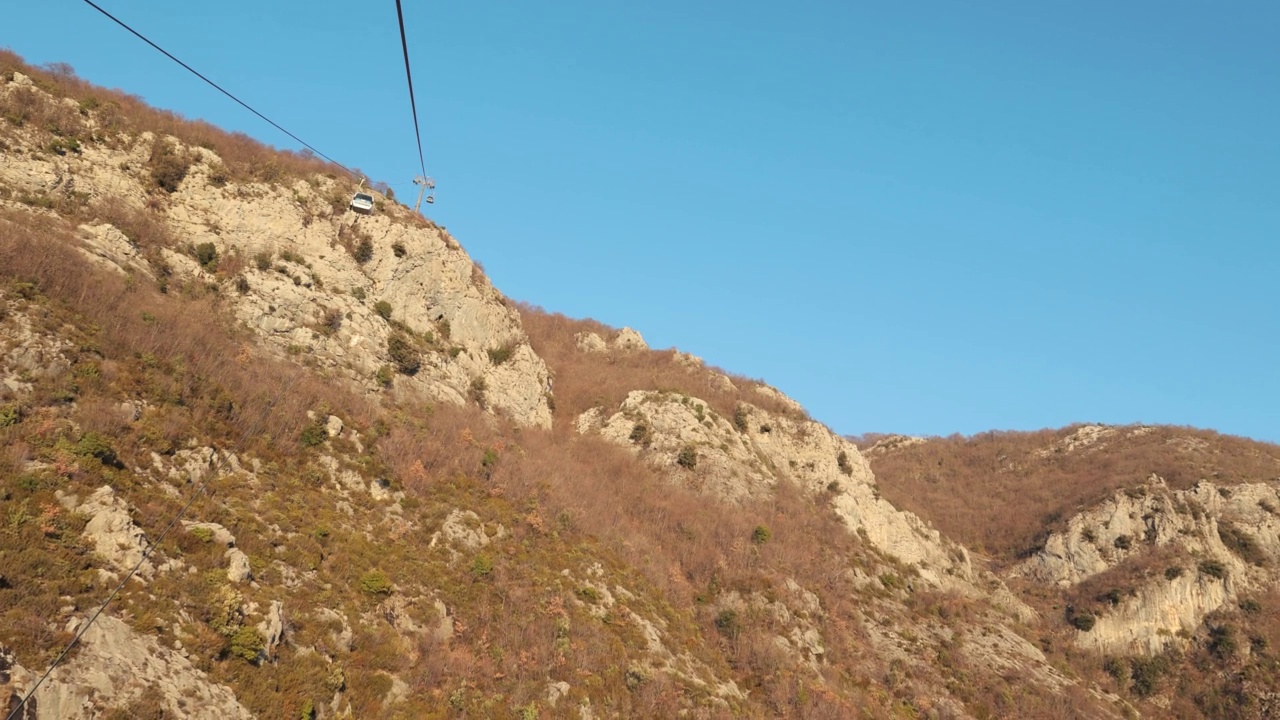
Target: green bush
x,y
247,644
641,435
688,457
1116,668
740,417
406,357
375,582
62,146
203,534
314,434
1146,674
262,261
399,249
1222,641
728,624
363,251
477,391
1083,621
383,308
481,567
1111,597
242,284
384,376
499,355
761,535
358,293
168,166
94,445
1213,569
842,461
207,255
1173,572
10,414
1123,542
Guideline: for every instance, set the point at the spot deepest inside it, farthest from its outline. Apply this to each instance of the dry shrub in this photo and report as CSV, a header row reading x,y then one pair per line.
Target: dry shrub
x,y
143,228
1122,582
22,107
101,416
217,389
169,165
590,379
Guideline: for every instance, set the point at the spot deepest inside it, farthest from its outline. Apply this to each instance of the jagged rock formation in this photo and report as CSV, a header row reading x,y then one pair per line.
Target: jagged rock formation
x,y
1217,541
745,456
114,669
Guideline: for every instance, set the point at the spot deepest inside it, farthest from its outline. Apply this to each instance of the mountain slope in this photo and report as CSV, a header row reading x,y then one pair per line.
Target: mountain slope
x,y
411,497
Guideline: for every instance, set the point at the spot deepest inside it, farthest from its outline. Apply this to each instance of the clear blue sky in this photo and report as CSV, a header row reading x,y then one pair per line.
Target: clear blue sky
x,y
926,217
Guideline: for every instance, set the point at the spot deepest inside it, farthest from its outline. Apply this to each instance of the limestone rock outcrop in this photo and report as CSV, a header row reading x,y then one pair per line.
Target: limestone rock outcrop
x,y
628,340
1230,537
744,457
113,667
115,537
313,274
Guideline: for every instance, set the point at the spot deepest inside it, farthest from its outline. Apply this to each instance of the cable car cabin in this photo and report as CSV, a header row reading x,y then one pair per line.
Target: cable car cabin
x,y
431,199
362,203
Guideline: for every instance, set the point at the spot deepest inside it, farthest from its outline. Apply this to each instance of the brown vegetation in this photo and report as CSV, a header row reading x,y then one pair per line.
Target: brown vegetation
x,y
566,504
584,380
561,498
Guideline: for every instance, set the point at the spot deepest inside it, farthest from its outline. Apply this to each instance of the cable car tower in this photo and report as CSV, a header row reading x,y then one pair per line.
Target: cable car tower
x,y
427,184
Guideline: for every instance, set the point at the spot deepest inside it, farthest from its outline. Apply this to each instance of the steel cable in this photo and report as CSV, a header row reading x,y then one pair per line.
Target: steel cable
x,y
408,74
222,90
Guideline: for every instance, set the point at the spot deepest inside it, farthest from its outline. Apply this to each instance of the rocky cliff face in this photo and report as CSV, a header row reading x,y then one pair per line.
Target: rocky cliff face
x,y
747,455
318,280
1216,542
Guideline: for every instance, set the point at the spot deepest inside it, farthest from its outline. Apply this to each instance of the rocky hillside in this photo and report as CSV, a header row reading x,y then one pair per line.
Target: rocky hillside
x,y
332,472
1157,549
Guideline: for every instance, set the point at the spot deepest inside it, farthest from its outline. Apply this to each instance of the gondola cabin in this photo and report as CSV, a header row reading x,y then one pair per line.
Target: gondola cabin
x,y
362,203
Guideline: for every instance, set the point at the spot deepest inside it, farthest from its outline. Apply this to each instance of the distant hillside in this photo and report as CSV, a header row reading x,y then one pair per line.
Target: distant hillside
x,y
1157,549
1002,492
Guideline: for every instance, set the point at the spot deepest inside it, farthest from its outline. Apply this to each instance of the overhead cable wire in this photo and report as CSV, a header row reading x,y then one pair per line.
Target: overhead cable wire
x,y
220,89
16,712
408,74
